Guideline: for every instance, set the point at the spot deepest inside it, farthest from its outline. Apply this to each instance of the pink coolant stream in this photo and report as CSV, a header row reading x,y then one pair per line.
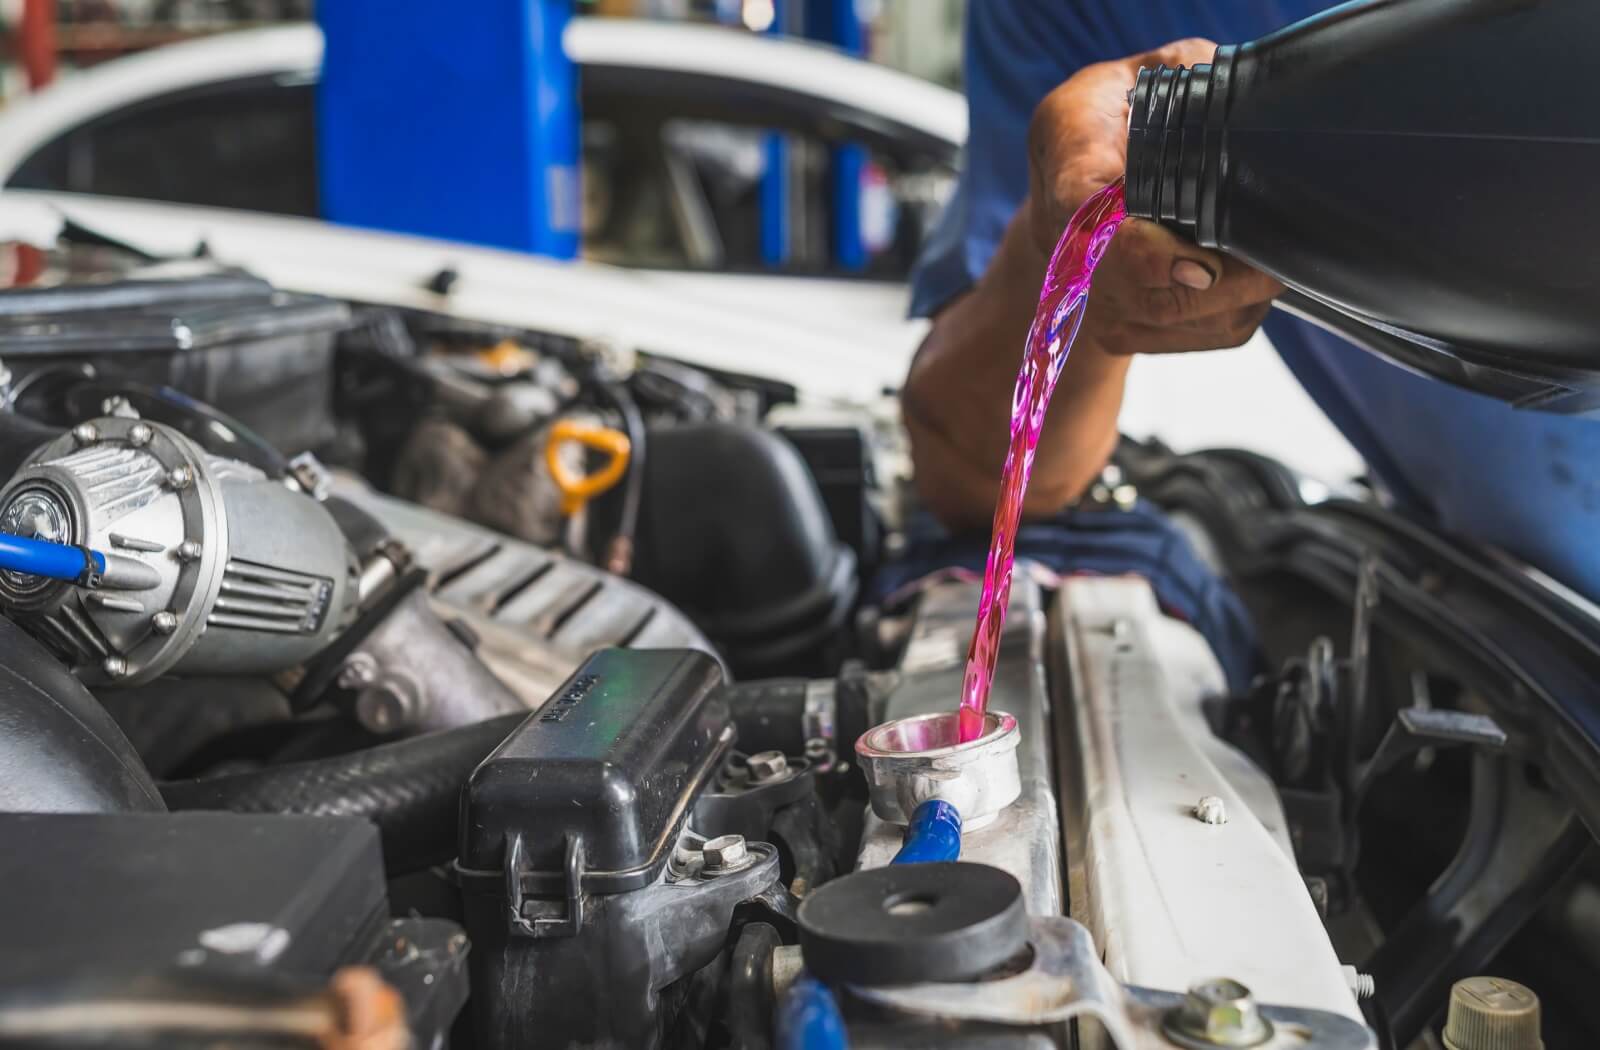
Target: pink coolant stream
x,y
1055,326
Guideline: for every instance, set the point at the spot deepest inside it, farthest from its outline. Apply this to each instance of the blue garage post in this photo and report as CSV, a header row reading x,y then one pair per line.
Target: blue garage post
x,y
837,22
451,120
777,234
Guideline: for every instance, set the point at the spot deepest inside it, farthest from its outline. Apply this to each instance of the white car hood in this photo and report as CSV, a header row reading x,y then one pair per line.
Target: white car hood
x,y
831,340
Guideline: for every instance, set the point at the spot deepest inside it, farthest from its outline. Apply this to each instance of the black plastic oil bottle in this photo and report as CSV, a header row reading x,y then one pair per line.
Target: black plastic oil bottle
x,y
1423,174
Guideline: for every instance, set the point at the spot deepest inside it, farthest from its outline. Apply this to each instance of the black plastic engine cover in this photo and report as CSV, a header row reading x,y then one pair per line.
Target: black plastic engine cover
x,y
611,760
230,909
230,340
567,830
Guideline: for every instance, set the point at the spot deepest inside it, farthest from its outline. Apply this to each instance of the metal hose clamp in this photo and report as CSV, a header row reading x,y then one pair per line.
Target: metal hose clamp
x,y
911,760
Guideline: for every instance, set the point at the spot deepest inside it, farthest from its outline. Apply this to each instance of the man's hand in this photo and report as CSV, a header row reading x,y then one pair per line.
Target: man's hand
x,y
1153,292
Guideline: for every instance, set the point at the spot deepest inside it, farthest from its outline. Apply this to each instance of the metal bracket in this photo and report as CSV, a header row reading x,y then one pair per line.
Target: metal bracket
x,y
819,721
1416,728
532,917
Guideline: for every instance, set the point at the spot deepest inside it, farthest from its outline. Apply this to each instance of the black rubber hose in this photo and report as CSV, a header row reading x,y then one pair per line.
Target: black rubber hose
x,y
748,1006
20,437
620,557
60,752
411,789
770,714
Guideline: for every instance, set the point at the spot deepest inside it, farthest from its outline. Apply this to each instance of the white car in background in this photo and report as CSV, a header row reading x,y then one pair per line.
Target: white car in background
x,y
673,116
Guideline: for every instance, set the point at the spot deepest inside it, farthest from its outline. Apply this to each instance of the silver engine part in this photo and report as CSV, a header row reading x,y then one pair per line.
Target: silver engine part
x,y
413,674
1164,905
908,761
218,569
537,613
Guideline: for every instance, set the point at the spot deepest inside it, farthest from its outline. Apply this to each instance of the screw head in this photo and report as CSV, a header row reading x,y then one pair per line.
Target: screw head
x,y
767,766
139,435
164,622
358,671
1218,1012
115,666
1211,810
726,853
86,433
189,550
180,477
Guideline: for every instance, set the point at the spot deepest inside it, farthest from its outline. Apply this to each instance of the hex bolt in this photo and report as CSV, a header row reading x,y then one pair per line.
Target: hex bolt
x,y
1211,810
85,433
114,666
767,766
1218,1012
189,550
726,853
358,671
164,622
139,435
684,857
180,477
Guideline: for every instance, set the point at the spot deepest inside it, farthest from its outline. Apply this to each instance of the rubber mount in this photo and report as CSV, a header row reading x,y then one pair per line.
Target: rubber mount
x,y
911,923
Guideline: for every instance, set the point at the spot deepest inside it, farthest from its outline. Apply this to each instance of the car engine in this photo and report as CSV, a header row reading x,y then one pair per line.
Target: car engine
x,y
379,678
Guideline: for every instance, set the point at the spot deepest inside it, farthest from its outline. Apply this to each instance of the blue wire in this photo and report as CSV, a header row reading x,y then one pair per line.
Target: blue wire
x,y
58,561
809,1018
934,834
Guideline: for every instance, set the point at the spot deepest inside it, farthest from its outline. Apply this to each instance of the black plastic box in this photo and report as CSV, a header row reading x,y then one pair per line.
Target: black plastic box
x,y
231,340
612,762
228,906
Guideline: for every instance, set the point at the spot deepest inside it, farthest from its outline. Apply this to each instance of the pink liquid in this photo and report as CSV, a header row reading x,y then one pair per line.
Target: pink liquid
x,y
1055,326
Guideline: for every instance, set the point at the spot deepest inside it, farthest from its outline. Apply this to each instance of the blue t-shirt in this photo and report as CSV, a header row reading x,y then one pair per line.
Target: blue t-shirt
x,y
1525,481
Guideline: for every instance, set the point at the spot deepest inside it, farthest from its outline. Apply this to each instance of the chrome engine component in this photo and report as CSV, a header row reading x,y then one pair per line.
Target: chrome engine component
x,y
1024,838
411,673
909,761
225,571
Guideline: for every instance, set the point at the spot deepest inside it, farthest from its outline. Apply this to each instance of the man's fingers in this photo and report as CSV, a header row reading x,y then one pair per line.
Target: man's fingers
x,y
1151,276
1231,330
1192,274
1143,254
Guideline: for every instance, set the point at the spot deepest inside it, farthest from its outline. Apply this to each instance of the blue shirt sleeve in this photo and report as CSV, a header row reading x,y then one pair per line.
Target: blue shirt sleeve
x,y
1017,51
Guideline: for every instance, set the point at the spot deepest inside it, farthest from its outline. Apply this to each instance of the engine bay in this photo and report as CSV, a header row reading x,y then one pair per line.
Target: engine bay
x,y
440,683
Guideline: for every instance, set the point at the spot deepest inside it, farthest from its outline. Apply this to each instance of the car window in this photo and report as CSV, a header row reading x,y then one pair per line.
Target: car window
x,y
243,144
671,179
687,193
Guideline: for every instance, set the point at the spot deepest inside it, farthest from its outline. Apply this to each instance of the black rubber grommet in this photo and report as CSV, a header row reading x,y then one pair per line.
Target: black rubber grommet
x,y
910,923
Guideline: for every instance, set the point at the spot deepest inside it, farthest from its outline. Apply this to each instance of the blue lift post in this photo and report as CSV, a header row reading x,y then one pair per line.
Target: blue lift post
x,y
451,120
777,233
837,22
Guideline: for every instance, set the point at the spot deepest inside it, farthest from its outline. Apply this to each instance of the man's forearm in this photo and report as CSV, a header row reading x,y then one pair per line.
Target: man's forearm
x,y
957,399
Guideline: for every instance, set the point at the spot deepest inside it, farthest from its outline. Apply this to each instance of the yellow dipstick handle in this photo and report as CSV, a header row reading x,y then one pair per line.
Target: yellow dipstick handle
x,y
578,489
